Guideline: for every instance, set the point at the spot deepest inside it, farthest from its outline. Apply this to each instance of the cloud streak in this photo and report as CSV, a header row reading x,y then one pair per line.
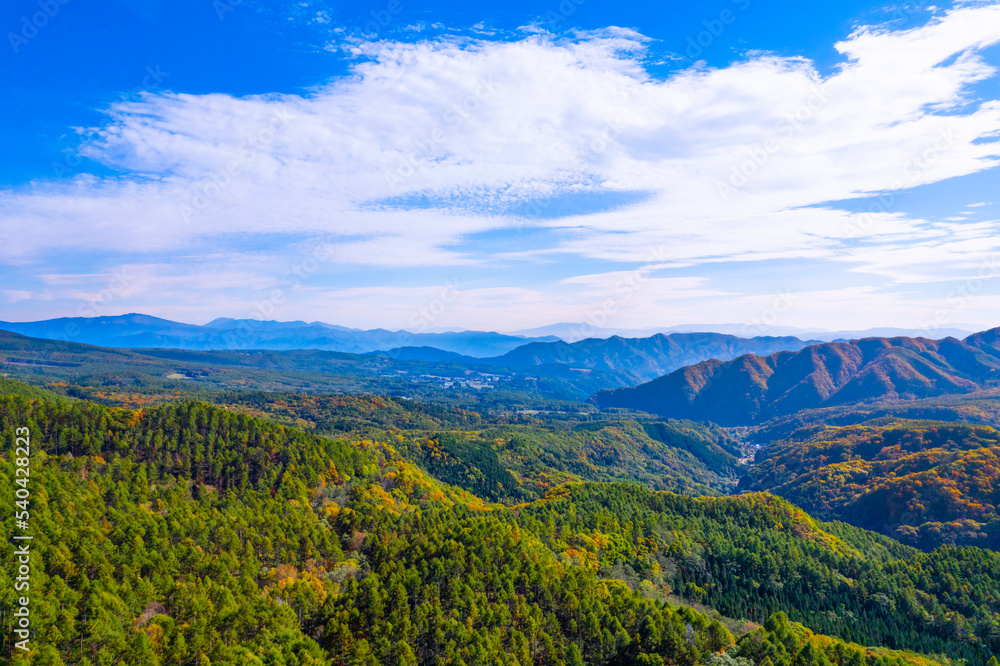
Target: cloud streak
x,y
736,163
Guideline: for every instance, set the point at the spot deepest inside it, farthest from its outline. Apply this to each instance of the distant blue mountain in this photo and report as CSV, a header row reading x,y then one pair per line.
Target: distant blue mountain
x,y
432,354
645,358
138,331
636,360
571,332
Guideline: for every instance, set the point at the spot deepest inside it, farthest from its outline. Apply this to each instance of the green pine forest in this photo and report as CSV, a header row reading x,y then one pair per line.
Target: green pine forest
x,y
292,530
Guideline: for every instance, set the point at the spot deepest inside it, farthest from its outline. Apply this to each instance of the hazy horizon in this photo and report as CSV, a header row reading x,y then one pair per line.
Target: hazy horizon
x,y
505,166
573,331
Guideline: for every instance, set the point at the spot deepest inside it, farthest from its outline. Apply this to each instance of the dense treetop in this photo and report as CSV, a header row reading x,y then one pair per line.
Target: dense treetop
x,y
190,534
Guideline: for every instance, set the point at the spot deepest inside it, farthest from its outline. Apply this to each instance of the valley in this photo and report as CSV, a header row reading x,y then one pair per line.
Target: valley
x,y
561,333
370,510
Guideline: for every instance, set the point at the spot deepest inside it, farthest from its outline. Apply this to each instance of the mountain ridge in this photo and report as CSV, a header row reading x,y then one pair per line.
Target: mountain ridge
x,y
751,389
139,331
644,358
637,359
572,332
634,360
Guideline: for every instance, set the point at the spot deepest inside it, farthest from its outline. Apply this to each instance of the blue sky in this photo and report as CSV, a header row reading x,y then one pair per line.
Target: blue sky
x,y
506,165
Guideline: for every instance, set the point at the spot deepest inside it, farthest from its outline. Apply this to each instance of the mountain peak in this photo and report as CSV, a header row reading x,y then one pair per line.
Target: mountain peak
x,y
751,389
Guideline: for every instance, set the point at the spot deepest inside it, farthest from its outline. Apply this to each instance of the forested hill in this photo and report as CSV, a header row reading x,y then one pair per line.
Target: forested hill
x,y
752,389
517,460
187,534
925,483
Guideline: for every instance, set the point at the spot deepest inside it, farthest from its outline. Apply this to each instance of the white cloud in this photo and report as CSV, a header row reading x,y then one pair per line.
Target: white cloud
x,y
957,252
18,295
458,119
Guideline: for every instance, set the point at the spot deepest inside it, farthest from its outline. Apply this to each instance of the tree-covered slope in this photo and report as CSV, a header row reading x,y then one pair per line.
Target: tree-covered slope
x,y
753,389
783,643
925,483
749,556
536,451
186,534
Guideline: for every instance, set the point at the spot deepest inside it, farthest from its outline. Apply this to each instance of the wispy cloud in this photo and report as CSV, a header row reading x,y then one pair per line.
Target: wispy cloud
x,y
736,163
